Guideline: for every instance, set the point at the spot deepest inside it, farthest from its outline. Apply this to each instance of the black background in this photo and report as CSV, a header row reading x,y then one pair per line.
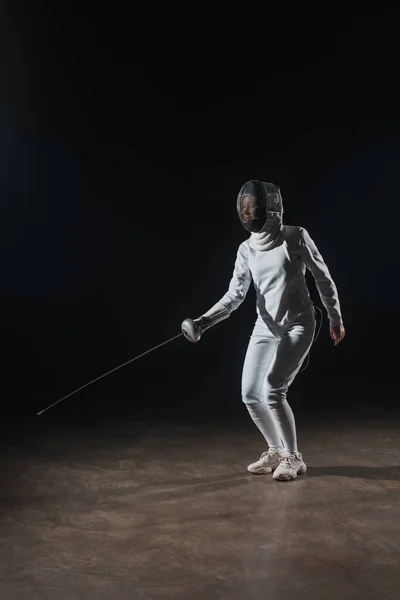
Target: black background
x,y
125,138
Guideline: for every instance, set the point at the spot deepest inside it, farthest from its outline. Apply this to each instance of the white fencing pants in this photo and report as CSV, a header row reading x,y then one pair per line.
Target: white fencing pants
x,y
270,366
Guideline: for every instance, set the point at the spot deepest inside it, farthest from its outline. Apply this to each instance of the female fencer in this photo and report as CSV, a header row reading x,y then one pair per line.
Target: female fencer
x,y
275,258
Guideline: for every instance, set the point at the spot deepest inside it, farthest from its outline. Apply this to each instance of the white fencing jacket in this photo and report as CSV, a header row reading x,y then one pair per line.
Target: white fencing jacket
x,y
278,275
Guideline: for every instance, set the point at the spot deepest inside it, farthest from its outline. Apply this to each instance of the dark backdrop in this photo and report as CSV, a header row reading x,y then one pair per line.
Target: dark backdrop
x,y
125,139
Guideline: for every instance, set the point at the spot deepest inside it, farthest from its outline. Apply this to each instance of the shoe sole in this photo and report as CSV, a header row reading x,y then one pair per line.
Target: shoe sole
x,y
301,471
262,471
265,471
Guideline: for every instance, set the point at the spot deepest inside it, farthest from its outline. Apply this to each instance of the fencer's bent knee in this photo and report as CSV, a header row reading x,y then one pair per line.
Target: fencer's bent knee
x,y
276,396
250,396
275,400
273,391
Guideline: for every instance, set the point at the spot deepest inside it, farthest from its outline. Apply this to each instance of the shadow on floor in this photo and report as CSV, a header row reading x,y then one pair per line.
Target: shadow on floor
x,y
389,473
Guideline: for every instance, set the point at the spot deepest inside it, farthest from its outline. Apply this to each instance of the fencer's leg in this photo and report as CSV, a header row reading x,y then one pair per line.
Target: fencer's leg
x,y
290,354
286,425
260,352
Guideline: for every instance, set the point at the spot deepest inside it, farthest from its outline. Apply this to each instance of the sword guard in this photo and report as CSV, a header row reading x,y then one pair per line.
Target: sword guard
x,y
191,331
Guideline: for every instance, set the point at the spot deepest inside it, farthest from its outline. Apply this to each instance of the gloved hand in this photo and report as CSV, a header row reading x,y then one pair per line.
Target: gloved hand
x,y
203,322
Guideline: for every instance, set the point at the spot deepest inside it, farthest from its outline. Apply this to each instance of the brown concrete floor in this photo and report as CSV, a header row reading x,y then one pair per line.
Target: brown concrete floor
x,y
167,510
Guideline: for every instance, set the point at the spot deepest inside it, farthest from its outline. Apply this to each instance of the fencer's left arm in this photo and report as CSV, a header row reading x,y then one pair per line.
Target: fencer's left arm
x,y
327,289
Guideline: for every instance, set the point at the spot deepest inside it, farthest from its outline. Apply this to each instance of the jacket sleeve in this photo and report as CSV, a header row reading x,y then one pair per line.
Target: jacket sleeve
x,y
327,290
238,288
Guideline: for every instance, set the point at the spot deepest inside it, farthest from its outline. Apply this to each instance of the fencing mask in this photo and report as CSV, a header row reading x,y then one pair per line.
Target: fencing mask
x,y
260,206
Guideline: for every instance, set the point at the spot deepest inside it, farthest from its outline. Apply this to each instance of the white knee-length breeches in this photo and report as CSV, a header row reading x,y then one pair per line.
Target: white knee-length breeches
x,y
272,363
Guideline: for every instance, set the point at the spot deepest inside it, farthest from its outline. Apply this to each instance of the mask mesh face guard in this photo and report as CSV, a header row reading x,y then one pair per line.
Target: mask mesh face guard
x,y
259,204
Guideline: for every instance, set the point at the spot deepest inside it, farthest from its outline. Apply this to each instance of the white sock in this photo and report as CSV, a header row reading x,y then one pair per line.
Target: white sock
x,y
286,426
260,412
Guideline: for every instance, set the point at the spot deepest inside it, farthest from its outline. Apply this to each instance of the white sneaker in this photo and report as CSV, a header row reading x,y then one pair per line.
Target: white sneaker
x,y
267,462
289,467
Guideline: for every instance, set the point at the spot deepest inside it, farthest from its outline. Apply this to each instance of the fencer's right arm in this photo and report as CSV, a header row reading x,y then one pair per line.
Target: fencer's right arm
x,y
238,288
